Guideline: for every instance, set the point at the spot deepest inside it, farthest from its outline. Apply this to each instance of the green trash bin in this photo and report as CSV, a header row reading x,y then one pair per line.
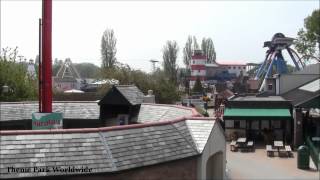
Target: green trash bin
x,y
303,159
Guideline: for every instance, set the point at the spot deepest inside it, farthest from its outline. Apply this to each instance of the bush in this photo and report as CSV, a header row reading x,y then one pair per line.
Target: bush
x,y
202,111
21,86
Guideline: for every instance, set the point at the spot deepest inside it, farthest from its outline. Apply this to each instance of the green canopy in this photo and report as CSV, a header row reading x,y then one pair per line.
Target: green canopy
x,y
256,114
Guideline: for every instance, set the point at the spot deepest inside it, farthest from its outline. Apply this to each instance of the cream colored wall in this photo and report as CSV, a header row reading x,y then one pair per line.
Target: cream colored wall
x,y
216,143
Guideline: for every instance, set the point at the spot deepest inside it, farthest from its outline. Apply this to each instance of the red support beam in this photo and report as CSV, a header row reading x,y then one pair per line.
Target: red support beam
x,y
46,85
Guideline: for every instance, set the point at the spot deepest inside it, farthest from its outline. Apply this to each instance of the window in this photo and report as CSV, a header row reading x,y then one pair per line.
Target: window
x,y
243,124
239,67
229,123
269,86
199,70
264,124
276,124
234,67
193,62
243,67
255,124
229,67
237,124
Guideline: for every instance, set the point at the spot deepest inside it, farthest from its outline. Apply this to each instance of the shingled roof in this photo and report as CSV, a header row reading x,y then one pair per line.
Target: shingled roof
x,y
90,110
309,91
70,110
158,112
108,149
130,93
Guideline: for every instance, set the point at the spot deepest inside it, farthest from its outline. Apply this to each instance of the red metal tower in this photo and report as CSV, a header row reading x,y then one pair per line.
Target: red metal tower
x,y
46,65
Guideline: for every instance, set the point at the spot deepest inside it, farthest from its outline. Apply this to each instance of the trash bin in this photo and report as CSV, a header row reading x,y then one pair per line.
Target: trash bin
x,y
303,157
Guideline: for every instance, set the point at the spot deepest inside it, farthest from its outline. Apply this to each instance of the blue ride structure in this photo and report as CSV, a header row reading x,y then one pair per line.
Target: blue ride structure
x,y
274,62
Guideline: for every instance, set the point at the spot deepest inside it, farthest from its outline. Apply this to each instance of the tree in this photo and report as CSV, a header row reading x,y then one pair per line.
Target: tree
x,y
87,70
197,86
309,37
108,49
14,75
188,49
208,49
170,52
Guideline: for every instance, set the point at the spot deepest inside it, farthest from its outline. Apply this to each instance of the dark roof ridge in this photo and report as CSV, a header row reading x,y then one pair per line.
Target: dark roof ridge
x,y
101,129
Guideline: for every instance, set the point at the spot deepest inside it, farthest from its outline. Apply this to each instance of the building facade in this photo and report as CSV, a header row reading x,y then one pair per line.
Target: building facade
x,y
211,73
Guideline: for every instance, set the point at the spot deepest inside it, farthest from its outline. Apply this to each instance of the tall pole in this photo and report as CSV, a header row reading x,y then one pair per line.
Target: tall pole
x,y
40,66
46,56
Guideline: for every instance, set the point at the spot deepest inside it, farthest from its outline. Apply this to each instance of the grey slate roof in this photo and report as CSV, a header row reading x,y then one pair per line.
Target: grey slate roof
x,y
310,69
255,98
70,110
104,151
300,95
154,113
89,110
131,93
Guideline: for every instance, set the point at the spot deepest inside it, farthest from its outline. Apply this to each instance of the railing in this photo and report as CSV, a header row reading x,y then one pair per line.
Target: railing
x,y
314,152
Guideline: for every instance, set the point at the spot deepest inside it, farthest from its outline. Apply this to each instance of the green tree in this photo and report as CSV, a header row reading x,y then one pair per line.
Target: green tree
x,y
309,37
14,75
197,86
56,66
188,49
87,70
170,52
208,49
108,49
165,91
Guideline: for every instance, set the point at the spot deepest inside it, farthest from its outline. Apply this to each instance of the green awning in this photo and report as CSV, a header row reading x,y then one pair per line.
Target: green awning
x,y
256,114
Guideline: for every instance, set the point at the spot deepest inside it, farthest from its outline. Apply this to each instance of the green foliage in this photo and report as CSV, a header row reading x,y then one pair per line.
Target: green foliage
x,y
55,67
309,37
108,49
170,52
183,80
188,49
87,70
208,49
197,88
14,75
202,111
164,90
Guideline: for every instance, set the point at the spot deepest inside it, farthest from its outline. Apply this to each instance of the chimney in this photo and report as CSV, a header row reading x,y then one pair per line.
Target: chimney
x,y
150,98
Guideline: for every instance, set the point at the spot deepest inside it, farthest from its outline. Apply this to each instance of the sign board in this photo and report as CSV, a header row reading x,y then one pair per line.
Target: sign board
x,y
47,121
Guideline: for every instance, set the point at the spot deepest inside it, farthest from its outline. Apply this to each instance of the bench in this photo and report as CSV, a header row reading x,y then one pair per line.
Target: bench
x,y
233,146
270,150
250,145
288,150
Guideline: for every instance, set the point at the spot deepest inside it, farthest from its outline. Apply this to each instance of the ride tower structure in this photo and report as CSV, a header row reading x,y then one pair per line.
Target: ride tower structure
x,y
274,62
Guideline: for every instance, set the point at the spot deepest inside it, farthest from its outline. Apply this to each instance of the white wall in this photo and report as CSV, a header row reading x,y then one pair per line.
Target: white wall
x,y
198,61
216,143
198,72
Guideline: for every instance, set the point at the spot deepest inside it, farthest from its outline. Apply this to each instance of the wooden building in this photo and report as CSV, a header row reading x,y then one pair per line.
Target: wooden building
x,y
259,118
120,105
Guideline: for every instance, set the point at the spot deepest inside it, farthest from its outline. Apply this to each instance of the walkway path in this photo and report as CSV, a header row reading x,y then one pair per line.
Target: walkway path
x,y
257,165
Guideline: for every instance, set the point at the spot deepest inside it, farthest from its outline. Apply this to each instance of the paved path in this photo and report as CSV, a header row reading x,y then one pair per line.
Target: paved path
x,y
256,165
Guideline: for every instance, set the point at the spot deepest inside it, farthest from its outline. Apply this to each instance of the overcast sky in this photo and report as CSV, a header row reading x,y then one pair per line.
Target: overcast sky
x,y
238,29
